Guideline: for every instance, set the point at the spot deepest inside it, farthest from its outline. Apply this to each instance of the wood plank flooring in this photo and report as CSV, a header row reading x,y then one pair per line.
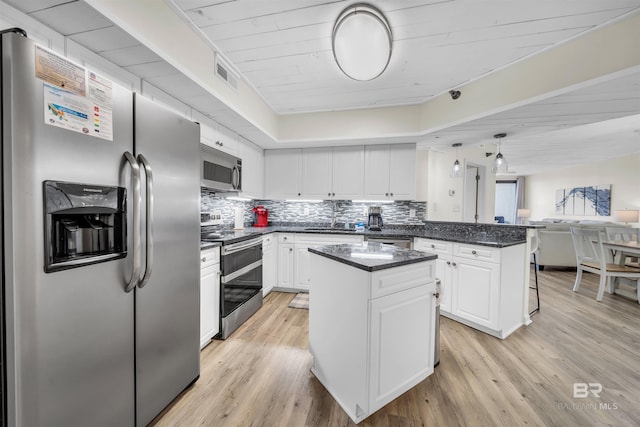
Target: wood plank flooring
x,y
260,375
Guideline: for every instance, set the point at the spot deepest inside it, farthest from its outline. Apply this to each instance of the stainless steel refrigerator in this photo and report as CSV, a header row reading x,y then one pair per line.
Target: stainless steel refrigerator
x,y
100,246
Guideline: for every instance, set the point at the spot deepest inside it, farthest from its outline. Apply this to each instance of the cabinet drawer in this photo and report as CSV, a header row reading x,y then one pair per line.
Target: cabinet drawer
x,y
267,241
482,253
389,281
286,238
209,257
439,247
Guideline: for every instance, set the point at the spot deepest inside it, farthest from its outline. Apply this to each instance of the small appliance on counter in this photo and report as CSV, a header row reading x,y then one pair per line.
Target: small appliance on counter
x,y
375,218
260,216
238,218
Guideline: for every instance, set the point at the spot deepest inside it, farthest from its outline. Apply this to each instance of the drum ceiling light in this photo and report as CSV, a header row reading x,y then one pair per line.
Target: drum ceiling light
x,y
362,42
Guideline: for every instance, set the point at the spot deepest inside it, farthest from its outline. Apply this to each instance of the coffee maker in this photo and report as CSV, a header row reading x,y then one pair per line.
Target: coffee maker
x,y
375,218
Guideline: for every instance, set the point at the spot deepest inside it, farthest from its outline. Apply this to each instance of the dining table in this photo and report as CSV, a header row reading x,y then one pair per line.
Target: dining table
x,y
622,250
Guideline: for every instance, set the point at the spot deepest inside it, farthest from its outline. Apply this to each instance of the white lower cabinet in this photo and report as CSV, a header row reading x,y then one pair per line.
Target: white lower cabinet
x,y
269,263
477,289
482,287
375,341
293,256
302,270
397,362
285,260
209,295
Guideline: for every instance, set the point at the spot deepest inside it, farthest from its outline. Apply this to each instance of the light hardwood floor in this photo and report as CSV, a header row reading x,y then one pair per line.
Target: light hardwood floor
x,y
260,375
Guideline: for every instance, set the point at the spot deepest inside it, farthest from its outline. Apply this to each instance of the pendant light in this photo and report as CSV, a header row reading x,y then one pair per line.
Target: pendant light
x,y
499,163
362,42
456,169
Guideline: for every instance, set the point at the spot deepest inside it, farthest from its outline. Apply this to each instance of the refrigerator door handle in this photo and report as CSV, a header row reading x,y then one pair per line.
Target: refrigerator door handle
x,y
149,220
135,184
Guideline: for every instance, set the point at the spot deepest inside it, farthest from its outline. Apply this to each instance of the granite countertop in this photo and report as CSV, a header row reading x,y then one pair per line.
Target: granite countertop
x,y
372,256
484,235
209,245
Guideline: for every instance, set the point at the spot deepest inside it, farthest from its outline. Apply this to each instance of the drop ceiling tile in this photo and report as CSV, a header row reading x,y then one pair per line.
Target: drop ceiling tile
x,y
72,18
103,39
129,56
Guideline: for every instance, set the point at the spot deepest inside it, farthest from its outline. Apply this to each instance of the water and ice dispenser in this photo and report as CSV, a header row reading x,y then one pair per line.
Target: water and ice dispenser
x,y
84,224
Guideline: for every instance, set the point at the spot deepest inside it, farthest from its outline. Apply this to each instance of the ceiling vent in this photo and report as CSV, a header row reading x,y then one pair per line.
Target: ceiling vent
x,y
223,70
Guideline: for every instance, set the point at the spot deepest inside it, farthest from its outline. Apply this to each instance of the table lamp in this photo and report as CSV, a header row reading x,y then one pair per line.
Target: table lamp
x,y
626,216
524,214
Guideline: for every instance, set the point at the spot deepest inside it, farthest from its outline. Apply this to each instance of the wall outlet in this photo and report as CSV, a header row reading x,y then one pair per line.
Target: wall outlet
x,y
306,210
365,210
412,213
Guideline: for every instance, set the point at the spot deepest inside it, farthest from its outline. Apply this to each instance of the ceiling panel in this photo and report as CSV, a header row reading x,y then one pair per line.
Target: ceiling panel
x,y
104,39
71,18
129,56
283,49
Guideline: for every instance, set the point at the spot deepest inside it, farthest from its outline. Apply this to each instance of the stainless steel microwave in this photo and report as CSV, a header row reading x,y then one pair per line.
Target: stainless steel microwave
x,y
219,170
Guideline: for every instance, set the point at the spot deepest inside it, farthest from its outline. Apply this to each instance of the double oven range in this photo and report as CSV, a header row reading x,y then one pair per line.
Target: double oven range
x,y
240,280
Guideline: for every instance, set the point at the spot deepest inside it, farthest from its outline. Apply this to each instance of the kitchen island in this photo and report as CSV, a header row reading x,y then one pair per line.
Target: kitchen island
x,y
371,322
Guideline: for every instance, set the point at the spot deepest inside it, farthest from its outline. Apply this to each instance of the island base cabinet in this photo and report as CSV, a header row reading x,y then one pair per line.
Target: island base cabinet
x,y
369,350
400,361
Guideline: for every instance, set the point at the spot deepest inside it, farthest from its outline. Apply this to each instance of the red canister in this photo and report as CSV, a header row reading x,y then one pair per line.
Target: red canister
x,y
260,216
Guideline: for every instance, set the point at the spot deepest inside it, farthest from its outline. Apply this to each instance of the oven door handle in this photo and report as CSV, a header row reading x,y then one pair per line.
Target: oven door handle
x,y
237,247
238,273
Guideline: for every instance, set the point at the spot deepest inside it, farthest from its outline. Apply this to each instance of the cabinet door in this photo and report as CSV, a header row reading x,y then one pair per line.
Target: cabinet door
x,y
283,173
444,273
252,170
348,173
209,303
376,172
269,264
402,171
285,265
302,267
476,287
400,360
316,173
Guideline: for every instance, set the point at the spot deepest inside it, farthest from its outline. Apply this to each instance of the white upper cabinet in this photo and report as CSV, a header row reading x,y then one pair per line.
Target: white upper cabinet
x,y
283,173
342,173
226,140
252,169
390,172
333,173
316,173
348,172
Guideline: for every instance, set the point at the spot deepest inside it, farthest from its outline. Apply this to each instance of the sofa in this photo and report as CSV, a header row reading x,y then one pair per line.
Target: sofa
x,y
555,246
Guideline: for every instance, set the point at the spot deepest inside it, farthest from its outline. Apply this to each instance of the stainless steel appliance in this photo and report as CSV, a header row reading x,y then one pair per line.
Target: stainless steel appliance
x,y
100,254
240,283
220,171
375,218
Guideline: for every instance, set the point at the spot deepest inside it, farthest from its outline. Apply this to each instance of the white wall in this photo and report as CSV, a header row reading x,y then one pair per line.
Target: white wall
x,y
441,206
622,173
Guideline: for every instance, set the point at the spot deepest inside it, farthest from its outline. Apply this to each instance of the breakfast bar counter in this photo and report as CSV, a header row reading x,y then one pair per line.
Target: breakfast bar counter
x,y
371,322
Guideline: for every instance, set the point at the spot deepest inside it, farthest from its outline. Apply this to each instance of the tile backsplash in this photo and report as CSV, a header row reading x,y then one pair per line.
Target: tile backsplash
x,y
280,211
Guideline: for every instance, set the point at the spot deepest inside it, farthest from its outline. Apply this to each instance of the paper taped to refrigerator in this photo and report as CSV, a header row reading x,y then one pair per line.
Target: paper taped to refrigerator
x,y
77,113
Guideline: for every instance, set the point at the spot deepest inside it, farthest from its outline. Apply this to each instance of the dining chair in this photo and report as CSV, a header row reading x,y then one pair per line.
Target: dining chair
x,y
591,257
